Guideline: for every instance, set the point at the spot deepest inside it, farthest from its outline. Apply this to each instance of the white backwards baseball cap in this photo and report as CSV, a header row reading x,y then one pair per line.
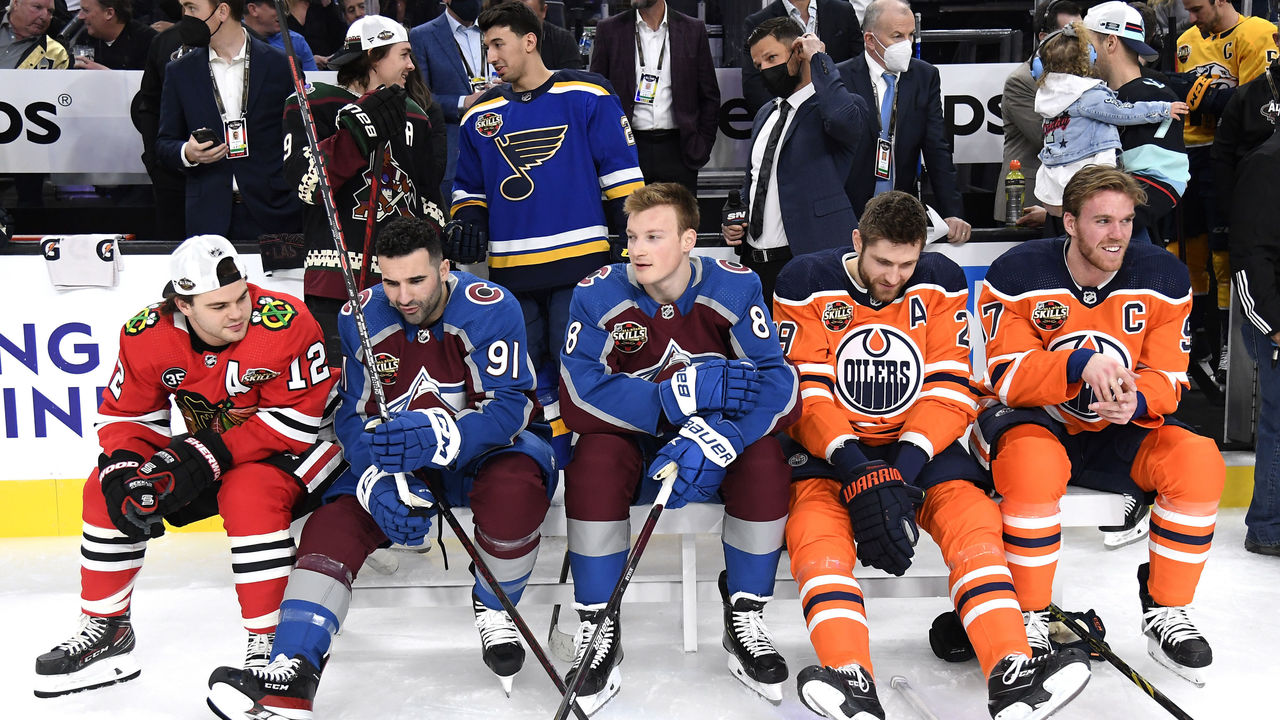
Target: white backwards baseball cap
x,y
193,267
1117,18
367,33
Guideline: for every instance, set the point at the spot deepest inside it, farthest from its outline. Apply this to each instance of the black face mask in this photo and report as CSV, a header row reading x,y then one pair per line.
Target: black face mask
x,y
779,81
194,31
466,10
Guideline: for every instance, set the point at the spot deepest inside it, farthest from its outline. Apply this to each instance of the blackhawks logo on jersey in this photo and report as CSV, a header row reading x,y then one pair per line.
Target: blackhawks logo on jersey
x,y
200,413
143,320
524,151
273,314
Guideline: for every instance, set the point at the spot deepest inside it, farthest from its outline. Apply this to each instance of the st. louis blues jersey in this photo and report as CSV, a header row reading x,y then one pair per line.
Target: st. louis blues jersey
x,y
471,362
538,162
873,371
621,343
1035,317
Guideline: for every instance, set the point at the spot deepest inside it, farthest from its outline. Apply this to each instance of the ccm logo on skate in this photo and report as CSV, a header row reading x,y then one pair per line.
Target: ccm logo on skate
x,y
40,126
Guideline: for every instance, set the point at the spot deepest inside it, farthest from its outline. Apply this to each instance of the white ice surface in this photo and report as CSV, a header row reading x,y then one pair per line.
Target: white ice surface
x,y
425,663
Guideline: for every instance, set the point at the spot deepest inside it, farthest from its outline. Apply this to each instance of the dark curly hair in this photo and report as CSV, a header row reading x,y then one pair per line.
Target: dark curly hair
x,y
407,234
894,216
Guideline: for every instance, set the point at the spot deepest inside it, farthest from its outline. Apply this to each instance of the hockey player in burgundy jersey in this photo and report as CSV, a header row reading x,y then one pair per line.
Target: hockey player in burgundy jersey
x,y
246,369
449,350
678,350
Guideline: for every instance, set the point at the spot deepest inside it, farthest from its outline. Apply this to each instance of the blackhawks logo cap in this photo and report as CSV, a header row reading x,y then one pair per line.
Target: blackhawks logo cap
x,y
197,266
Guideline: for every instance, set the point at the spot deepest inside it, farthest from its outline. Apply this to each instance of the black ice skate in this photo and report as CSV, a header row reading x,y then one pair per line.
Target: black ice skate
x,y
101,653
257,652
753,659
843,693
1022,688
499,643
283,690
1137,524
1036,623
1172,639
604,678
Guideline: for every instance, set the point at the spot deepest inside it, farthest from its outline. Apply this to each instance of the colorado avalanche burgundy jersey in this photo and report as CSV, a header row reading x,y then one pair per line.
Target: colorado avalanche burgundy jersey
x,y
1035,315
873,371
620,344
472,362
265,394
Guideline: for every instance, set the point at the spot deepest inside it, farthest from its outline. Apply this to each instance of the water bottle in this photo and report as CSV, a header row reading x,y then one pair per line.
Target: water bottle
x,y
734,211
1015,188
584,45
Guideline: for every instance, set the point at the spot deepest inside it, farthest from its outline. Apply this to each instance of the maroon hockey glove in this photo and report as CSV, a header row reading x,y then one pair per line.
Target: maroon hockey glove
x,y
116,473
180,472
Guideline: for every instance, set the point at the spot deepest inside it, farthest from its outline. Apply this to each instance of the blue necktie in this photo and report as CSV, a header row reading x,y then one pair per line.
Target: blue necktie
x,y
886,115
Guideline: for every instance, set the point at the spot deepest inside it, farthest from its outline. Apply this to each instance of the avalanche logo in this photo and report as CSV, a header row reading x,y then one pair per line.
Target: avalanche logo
x,y
629,336
880,371
1049,315
482,294
1097,341
836,315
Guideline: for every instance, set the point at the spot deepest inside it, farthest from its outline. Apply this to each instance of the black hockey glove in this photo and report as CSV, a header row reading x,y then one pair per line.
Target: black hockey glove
x,y
118,474
180,472
618,250
376,117
465,241
882,511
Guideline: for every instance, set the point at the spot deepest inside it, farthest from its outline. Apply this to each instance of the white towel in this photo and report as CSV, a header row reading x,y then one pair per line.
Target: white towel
x,y
81,261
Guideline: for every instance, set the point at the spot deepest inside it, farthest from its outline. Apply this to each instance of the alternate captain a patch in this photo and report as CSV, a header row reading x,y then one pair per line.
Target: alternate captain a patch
x,y
523,151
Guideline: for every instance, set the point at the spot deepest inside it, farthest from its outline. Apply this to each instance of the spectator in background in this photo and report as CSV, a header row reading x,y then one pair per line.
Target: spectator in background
x,y
321,23
168,185
833,21
450,51
263,22
235,88
559,48
1255,260
1023,126
1152,153
119,41
24,40
353,10
667,85
1248,120
802,147
906,97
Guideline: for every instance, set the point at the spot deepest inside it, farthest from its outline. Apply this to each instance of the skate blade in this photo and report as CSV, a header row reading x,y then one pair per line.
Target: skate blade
x,y
229,703
1190,674
507,681
825,700
591,703
1065,685
1124,538
769,691
109,671
561,644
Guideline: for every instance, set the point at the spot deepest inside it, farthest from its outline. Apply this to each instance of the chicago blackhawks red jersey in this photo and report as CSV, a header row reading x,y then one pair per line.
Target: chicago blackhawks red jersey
x,y
265,394
1035,316
873,371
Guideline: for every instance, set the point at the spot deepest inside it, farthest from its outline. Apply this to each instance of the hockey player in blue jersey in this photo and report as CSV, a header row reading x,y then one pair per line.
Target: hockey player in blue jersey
x,y
535,156
449,351
675,358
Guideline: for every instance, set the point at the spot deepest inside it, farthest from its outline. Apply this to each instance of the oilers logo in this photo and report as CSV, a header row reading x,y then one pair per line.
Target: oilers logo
x,y
1097,341
879,370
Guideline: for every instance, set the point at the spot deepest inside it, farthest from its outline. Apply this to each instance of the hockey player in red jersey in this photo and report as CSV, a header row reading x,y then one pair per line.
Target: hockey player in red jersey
x,y
1087,341
880,335
246,369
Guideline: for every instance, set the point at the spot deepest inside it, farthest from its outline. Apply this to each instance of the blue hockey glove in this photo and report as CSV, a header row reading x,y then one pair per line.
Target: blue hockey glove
x,y
714,386
703,449
415,439
465,241
378,494
882,511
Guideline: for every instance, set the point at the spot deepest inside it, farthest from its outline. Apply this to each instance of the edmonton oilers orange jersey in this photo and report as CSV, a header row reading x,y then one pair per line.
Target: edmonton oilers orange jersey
x,y
1035,316
876,372
265,394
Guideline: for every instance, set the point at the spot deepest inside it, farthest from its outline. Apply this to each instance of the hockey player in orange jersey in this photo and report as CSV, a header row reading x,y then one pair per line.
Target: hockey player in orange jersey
x,y
880,336
1087,342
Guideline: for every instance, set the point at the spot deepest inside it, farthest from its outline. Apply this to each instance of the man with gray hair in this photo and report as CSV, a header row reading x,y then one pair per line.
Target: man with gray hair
x,y
24,40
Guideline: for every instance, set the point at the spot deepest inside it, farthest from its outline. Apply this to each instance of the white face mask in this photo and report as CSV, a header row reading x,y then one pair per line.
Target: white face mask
x,y
896,56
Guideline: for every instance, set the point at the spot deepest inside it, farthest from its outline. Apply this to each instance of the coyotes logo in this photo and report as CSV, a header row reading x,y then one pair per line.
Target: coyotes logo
x,y
879,370
629,336
837,315
1049,315
396,195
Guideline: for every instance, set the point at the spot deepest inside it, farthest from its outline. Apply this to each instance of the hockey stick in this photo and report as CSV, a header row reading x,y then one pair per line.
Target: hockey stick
x,y
666,476
1102,648
371,217
912,697
560,642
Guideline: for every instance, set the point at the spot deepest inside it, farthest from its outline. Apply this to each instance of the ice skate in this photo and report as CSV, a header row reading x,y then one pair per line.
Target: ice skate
x,y
843,693
100,654
499,643
283,690
1137,524
604,678
753,659
1172,639
1022,688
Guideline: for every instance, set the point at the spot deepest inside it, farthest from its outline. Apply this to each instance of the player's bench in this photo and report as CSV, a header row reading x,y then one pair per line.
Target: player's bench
x,y
421,585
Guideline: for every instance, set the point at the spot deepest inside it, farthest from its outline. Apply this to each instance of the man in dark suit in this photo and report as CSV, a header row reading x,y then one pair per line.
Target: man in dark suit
x,y
667,86
802,147
559,48
833,21
235,183
450,51
905,97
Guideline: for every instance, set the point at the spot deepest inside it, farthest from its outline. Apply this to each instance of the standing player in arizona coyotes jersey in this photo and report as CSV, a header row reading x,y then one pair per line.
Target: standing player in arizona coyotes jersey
x,y
1087,345
645,354
880,335
253,408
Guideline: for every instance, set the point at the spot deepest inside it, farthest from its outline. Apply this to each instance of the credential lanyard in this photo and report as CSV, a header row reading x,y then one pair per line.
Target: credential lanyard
x,y
244,95
465,62
893,110
661,54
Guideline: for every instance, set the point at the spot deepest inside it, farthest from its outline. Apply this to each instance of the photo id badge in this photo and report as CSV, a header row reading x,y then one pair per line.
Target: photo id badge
x,y
647,90
884,158
237,138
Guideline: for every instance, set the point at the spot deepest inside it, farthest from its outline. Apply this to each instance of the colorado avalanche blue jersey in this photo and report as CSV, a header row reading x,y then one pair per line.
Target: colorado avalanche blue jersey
x,y
620,344
472,362
538,162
